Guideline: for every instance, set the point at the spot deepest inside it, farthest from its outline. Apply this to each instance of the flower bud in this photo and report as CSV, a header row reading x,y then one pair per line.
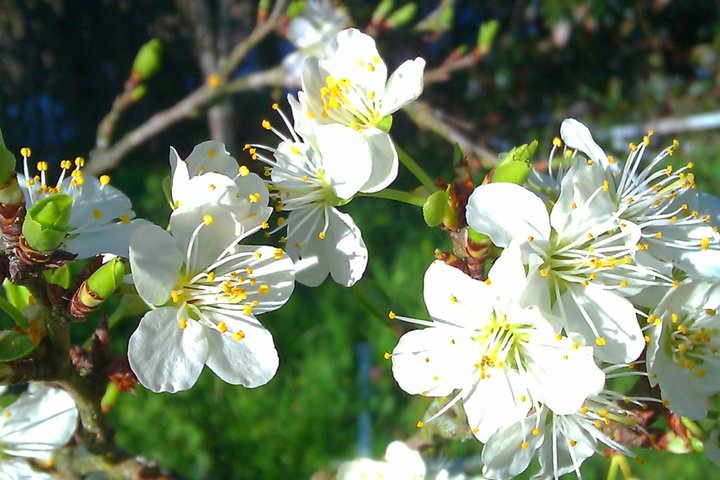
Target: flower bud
x,y
402,15
97,288
514,166
46,224
147,61
486,35
381,11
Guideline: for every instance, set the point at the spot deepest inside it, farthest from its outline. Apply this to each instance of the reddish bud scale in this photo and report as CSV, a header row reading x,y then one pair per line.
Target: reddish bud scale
x,y
29,255
84,301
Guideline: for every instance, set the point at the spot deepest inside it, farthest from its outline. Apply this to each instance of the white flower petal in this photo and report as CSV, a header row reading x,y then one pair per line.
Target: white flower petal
x,y
211,156
432,361
347,253
156,262
612,316
251,361
165,357
505,455
384,160
504,211
345,158
578,136
403,86
113,238
38,422
19,469
454,297
347,59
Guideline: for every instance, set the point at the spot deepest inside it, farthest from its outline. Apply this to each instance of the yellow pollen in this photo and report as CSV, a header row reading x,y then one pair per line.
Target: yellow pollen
x,y
523,398
263,289
544,272
531,238
488,281
646,140
244,171
258,254
207,219
632,147
322,235
611,159
589,161
175,295
254,197
278,254
104,180
668,170
606,186
624,283
536,431
557,142
711,311
420,424
97,214
182,323
658,235
124,218
239,335
275,106
600,341
573,205
79,162
247,309
391,315
676,283
576,346
453,299
387,355
266,125
524,445
222,327
705,243
676,144
25,152
572,443
647,339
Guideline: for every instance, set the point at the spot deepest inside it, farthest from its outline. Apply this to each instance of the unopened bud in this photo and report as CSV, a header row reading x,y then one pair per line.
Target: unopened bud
x,y
97,288
46,224
382,11
402,15
486,36
148,59
515,166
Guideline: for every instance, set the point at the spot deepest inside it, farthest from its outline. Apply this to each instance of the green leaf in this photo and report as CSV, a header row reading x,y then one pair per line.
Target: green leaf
x,y
14,345
59,276
434,208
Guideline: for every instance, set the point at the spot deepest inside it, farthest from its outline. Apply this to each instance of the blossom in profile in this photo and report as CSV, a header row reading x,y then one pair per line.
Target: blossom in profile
x,y
101,219
205,291
311,32
684,334
503,360
401,463
311,175
349,85
39,422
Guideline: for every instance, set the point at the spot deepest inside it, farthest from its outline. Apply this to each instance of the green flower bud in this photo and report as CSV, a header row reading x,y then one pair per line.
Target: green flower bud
x,y
486,35
402,15
434,208
106,279
7,162
382,10
46,224
515,166
148,59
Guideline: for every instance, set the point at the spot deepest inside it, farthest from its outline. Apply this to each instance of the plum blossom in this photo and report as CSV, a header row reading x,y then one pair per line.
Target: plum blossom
x,y
205,291
349,86
503,359
37,423
401,463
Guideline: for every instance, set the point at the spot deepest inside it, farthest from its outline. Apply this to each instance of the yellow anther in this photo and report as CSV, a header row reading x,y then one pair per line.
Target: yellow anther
x,y
387,355
247,309
557,142
182,323
239,335
420,424
611,159
254,197
263,289
668,170
624,283
25,152
606,186
42,166
647,338
536,431
453,299
632,147
266,125
104,180
391,315
544,272
711,311
676,283
530,238
175,295
488,281
524,445
676,144
207,219
258,254
322,235
573,205
275,106
699,373
211,276
244,171
124,218
97,214
278,254
298,245
222,327
572,443
79,162
705,243
690,165
600,341
658,235
646,140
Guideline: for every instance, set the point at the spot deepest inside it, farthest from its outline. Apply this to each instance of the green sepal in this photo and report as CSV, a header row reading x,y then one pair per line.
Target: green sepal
x,y
486,35
515,166
106,279
382,10
385,124
434,208
7,162
402,15
59,276
148,59
14,346
46,224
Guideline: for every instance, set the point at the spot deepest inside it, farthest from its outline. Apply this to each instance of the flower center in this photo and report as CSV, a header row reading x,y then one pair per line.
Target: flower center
x,y
500,344
691,344
349,104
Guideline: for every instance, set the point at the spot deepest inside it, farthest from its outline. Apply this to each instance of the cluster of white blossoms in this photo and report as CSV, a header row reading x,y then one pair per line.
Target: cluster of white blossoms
x,y
338,146
608,269
205,288
40,421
